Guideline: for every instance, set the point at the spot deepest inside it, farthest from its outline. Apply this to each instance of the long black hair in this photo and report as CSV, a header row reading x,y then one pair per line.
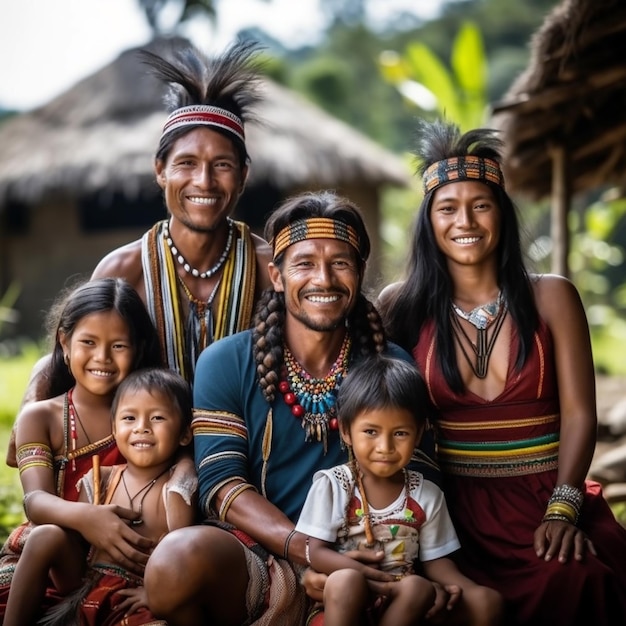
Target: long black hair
x,y
426,291
98,296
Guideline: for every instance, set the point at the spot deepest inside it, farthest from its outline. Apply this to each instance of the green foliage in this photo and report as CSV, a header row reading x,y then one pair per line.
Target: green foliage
x,y
11,511
458,91
14,374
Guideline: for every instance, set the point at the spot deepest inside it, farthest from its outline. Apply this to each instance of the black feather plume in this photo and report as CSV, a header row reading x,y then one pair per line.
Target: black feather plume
x,y
441,140
230,81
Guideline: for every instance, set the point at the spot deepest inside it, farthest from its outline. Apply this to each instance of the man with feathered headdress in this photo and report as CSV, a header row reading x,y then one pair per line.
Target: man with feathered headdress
x,y
199,272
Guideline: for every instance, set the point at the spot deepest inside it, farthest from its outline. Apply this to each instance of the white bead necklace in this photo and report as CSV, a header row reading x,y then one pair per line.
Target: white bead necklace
x,y
192,270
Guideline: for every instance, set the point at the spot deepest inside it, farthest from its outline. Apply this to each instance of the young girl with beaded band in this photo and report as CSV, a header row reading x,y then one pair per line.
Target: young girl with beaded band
x,y
376,503
151,419
101,332
507,359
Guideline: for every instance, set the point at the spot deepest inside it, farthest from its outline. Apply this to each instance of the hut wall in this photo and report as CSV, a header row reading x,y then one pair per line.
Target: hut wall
x,y
54,252
51,254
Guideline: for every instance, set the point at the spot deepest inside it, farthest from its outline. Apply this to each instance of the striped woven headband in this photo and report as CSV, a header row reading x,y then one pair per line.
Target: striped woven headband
x,y
315,228
206,115
467,167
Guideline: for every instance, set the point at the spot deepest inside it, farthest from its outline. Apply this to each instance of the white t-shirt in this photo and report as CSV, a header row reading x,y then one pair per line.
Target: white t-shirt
x,y
416,525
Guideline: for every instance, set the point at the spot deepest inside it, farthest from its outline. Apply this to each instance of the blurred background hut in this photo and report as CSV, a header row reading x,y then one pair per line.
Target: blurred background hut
x,y
76,175
564,118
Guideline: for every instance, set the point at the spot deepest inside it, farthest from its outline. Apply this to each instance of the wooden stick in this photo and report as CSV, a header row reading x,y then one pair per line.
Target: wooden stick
x,y
95,459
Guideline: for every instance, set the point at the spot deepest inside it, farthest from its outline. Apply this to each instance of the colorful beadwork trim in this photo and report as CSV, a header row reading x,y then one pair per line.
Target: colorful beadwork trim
x,y
33,455
498,459
315,228
204,115
459,168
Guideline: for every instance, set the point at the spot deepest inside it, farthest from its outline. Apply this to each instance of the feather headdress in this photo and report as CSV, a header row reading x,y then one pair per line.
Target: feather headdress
x,y
446,155
220,92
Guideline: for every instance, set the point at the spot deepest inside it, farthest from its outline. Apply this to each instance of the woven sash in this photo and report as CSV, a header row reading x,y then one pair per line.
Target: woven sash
x,y
232,308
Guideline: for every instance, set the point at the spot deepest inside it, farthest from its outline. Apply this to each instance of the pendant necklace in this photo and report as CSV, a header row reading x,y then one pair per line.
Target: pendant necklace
x,y
313,400
145,490
483,318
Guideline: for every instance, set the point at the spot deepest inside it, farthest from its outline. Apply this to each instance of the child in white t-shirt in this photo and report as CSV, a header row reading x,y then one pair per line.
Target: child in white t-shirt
x,y
376,503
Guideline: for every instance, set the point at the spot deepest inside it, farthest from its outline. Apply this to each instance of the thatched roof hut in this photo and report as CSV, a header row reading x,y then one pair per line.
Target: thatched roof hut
x,y
105,129
564,118
76,177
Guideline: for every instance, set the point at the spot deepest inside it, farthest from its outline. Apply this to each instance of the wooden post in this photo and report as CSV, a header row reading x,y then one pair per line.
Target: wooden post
x,y
560,205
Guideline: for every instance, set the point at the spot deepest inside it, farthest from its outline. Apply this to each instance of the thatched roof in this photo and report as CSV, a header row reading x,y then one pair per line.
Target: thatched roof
x,y
103,133
572,94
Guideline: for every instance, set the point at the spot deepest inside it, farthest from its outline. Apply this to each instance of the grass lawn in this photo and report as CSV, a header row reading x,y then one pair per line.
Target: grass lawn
x,y
14,374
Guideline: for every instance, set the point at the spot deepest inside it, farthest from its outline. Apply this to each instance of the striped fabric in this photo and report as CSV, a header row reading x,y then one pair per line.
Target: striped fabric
x,y
461,168
177,323
516,457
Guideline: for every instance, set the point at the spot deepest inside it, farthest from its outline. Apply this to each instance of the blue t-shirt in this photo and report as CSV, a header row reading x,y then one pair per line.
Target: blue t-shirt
x,y
238,434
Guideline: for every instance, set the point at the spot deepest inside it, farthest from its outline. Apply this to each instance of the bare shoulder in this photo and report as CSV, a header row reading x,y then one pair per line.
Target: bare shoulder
x,y
263,257
123,262
39,420
387,294
557,299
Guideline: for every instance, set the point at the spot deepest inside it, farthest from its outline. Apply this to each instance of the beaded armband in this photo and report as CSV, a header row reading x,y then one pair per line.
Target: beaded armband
x,y
230,496
564,504
33,455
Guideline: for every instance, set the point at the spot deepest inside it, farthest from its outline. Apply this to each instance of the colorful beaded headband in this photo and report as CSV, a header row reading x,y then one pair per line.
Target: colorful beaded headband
x,y
206,115
315,228
468,167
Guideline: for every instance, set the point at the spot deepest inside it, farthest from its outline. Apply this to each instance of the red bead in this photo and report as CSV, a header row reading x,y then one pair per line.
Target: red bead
x,y
297,410
290,398
333,423
283,386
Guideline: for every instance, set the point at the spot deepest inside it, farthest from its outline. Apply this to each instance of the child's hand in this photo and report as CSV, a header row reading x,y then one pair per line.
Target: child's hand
x,y
313,583
106,527
134,599
447,596
368,557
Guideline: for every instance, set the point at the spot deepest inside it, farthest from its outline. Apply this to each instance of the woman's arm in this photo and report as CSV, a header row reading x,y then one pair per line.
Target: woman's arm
x,y
559,304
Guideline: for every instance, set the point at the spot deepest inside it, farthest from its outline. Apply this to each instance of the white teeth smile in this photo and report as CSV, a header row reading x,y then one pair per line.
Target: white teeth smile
x,y
200,200
101,373
323,299
141,445
467,239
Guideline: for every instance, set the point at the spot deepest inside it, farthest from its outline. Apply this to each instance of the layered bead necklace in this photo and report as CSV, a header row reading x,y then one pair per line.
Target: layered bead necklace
x,y
482,317
192,270
313,400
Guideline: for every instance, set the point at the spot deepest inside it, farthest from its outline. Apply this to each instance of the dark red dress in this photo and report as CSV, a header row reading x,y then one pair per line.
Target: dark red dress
x,y
499,462
69,467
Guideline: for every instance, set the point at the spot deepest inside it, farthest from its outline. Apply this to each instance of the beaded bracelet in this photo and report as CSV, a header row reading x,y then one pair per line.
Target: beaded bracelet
x,y
564,504
307,552
287,542
230,496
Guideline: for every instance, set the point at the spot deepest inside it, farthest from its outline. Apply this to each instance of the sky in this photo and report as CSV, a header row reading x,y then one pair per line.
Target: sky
x,y
49,45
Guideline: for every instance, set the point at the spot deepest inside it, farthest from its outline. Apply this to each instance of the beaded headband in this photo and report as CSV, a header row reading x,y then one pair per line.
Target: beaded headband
x,y
469,167
206,115
315,228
